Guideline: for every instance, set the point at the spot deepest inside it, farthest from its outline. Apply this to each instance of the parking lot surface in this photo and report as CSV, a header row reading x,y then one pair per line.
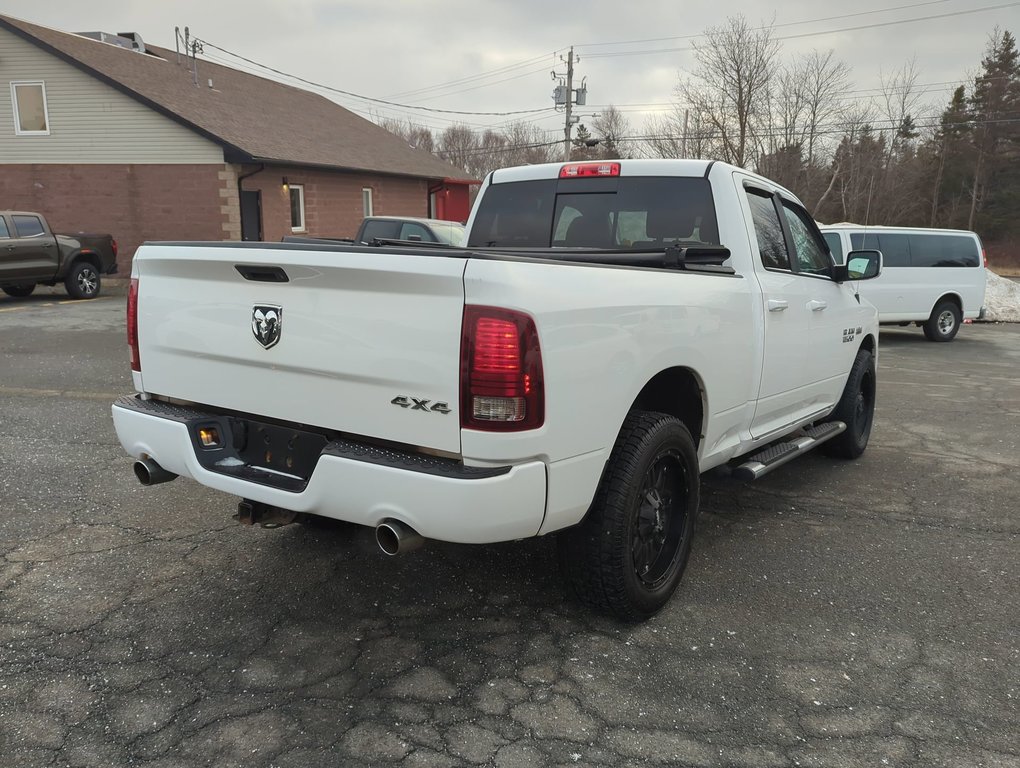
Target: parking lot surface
x,y
833,614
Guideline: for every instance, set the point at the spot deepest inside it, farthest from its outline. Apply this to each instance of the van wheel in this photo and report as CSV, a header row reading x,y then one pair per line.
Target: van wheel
x,y
856,409
627,557
83,281
944,322
19,291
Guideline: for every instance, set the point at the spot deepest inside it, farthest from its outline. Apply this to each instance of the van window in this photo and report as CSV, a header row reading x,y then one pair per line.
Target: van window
x,y
835,243
895,247
943,251
3,228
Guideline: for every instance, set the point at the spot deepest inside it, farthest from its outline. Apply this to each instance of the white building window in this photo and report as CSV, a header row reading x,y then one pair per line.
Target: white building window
x,y
366,200
31,117
297,208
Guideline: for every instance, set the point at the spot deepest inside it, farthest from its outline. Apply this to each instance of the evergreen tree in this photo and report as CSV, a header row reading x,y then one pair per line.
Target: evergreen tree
x,y
995,107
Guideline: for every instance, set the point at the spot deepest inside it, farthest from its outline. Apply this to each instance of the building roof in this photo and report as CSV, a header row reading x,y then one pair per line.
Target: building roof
x,y
252,118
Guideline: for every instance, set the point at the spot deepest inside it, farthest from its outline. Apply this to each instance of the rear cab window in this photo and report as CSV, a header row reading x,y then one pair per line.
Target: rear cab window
x,y
28,226
769,231
619,213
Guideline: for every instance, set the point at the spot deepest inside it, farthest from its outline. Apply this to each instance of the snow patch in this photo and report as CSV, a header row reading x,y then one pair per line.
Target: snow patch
x,y
1002,299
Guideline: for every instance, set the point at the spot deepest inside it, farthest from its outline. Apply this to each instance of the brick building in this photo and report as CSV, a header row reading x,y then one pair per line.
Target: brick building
x,y
117,136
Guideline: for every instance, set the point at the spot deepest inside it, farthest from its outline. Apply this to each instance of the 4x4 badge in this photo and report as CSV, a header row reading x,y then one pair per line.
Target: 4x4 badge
x,y
267,324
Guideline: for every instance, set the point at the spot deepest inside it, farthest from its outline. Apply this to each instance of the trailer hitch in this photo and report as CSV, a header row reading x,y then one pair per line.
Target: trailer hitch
x,y
252,512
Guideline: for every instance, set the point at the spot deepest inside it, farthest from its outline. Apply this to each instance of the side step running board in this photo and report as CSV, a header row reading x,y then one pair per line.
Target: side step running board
x,y
778,454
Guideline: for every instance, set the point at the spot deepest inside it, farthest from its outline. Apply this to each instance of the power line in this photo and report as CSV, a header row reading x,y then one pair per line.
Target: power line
x,y
370,111
369,98
831,130
478,76
773,26
653,51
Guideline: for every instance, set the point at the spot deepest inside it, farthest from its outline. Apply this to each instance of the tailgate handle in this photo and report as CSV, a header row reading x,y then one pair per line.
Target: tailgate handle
x,y
262,274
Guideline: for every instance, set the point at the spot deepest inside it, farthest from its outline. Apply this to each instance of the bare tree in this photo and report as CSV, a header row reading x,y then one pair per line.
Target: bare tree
x,y
459,145
527,144
730,85
417,136
825,80
681,133
611,127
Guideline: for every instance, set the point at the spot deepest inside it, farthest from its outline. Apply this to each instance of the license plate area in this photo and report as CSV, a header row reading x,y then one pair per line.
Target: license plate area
x,y
270,454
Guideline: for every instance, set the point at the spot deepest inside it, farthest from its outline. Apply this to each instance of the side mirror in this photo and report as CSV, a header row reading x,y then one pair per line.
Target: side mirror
x,y
860,265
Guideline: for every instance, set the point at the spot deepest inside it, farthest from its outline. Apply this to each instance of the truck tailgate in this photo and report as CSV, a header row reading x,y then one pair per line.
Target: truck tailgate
x,y
357,331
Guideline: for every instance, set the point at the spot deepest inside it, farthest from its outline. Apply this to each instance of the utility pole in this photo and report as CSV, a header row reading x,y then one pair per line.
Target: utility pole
x,y
570,98
566,95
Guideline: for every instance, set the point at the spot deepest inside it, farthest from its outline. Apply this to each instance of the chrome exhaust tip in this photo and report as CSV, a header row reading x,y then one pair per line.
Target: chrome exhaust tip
x,y
395,538
149,472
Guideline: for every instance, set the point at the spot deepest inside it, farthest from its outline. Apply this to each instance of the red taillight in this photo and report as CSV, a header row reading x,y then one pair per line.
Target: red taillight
x,y
582,170
132,324
113,244
501,387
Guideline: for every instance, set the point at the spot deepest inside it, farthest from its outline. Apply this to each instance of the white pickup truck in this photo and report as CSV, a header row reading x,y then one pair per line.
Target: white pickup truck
x,y
609,332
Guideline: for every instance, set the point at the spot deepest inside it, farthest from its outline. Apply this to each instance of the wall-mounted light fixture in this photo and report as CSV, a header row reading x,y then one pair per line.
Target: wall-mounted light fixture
x,y
286,184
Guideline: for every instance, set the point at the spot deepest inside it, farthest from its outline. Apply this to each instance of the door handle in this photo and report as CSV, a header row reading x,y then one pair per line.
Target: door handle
x,y
778,305
817,306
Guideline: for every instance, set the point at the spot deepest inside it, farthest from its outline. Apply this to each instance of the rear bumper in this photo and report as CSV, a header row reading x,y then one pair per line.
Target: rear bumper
x,y
361,485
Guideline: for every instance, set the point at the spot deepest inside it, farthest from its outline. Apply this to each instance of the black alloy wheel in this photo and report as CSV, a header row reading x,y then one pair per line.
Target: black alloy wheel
x,y
626,558
659,527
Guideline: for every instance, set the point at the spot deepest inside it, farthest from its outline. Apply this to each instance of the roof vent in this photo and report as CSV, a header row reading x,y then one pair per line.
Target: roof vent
x,y
130,40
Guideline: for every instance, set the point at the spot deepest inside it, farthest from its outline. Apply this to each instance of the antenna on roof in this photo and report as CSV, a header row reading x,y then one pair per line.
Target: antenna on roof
x,y
192,47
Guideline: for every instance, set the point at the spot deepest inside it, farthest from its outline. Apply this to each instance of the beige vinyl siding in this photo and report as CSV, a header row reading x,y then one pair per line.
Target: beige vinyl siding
x,y
89,121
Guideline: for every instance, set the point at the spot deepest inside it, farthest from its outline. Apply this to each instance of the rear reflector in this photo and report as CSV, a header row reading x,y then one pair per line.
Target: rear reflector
x,y
583,170
132,324
501,385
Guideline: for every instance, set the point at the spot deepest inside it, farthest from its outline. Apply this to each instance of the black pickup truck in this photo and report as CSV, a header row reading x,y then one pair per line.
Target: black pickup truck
x,y
31,254
408,228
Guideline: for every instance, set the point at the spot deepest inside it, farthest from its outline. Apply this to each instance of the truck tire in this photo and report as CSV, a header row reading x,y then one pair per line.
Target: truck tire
x,y
82,281
19,291
944,323
627,557
856,409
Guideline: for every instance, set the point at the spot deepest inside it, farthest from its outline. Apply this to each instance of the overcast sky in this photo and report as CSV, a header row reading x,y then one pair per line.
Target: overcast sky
x,y
497,56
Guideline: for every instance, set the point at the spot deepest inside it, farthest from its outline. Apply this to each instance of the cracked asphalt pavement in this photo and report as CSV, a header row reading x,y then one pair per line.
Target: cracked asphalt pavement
x,y
833,614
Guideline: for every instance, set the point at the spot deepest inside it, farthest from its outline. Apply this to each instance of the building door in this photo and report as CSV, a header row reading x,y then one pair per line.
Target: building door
x,y
251,215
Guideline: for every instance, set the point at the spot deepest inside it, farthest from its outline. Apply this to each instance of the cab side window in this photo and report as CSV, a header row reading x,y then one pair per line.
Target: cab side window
x,y
769,230
3,229
809,250
411,230
28,226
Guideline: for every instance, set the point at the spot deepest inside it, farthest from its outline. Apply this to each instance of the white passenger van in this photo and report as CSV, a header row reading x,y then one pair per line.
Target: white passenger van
x,y
932,277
